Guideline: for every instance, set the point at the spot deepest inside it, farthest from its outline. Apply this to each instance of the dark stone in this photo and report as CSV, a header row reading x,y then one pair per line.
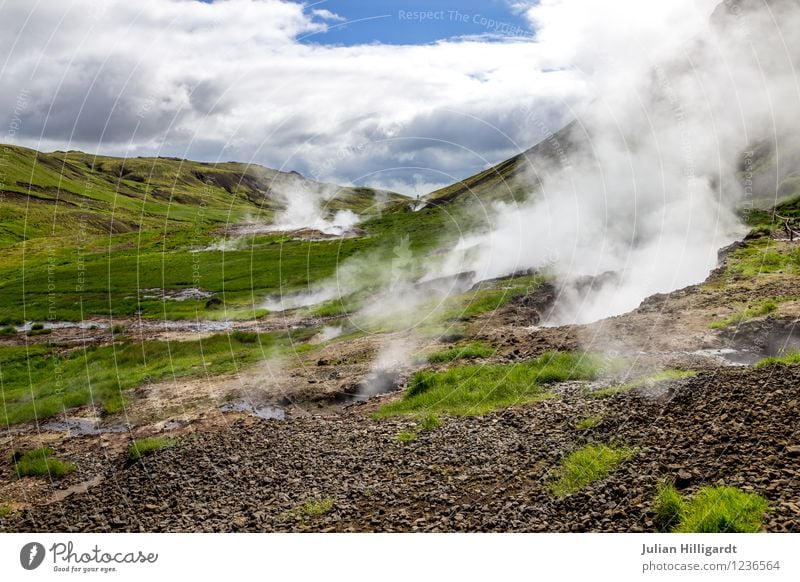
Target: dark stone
x,y
682,479
214,303
793,451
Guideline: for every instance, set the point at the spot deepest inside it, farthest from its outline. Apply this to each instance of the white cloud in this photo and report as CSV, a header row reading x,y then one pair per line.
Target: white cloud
x,y
232,80
327,15
597,36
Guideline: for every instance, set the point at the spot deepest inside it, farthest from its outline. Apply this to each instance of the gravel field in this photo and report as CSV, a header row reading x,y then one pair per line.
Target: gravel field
x,y
490,473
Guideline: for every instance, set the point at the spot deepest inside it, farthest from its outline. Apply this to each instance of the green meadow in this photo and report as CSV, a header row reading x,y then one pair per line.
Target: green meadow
x,y
86,236
41,381
82,236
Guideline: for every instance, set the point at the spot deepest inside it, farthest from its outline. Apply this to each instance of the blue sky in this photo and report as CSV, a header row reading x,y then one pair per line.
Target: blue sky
x,y
415,21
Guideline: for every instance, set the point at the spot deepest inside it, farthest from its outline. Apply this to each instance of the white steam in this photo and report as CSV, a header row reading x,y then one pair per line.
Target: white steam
x,y
645,182
393,356
638,195
328,333
222,244
305,207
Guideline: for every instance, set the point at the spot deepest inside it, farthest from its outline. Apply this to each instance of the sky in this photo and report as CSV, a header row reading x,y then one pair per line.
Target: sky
x,y
403,95
417,22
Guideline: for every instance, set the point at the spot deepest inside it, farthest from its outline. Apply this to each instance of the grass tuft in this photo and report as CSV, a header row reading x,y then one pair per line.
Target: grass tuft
x,y
41,463
787,360
468,351
762,308
142,447
317,507
649,380
426,423
39,331
711,510
669,507
245,337
586,465
407,436
335,308
430,422
761,257
589,422
485,301
479,389
4,510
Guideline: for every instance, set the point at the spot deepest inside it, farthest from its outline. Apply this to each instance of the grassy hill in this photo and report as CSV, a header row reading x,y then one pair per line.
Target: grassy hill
x,y
63,191
84,235
516,177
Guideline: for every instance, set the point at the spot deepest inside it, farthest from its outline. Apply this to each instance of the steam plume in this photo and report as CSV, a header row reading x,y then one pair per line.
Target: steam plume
x,y
643,191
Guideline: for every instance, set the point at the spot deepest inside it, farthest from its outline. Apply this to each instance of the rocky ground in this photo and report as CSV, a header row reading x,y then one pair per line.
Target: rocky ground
x,y
733,426
331,467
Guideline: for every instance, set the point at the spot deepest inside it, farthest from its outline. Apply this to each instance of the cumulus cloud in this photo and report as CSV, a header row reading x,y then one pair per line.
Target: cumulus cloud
x,y
243,79
599,37
327,15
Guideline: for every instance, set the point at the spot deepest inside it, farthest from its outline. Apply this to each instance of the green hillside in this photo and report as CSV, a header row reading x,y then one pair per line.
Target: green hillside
x,y
84,235
60,192
516,177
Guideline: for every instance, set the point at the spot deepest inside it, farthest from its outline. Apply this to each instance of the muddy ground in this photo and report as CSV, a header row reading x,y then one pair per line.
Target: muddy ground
x,y
234,471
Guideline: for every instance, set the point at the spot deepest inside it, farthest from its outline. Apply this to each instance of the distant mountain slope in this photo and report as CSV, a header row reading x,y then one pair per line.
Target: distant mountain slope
x,y
514,178
769,169
55,193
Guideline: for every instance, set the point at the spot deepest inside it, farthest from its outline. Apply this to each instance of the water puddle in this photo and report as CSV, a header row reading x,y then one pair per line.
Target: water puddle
x,y
62,325
82,427
263,411
755,340
186,325
784,340
175,294
170,425
731,356
377,383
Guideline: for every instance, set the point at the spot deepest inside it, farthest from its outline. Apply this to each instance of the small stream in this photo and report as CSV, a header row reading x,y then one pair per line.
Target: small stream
x,y
28,325
177,325
263,411
731,356
82,427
